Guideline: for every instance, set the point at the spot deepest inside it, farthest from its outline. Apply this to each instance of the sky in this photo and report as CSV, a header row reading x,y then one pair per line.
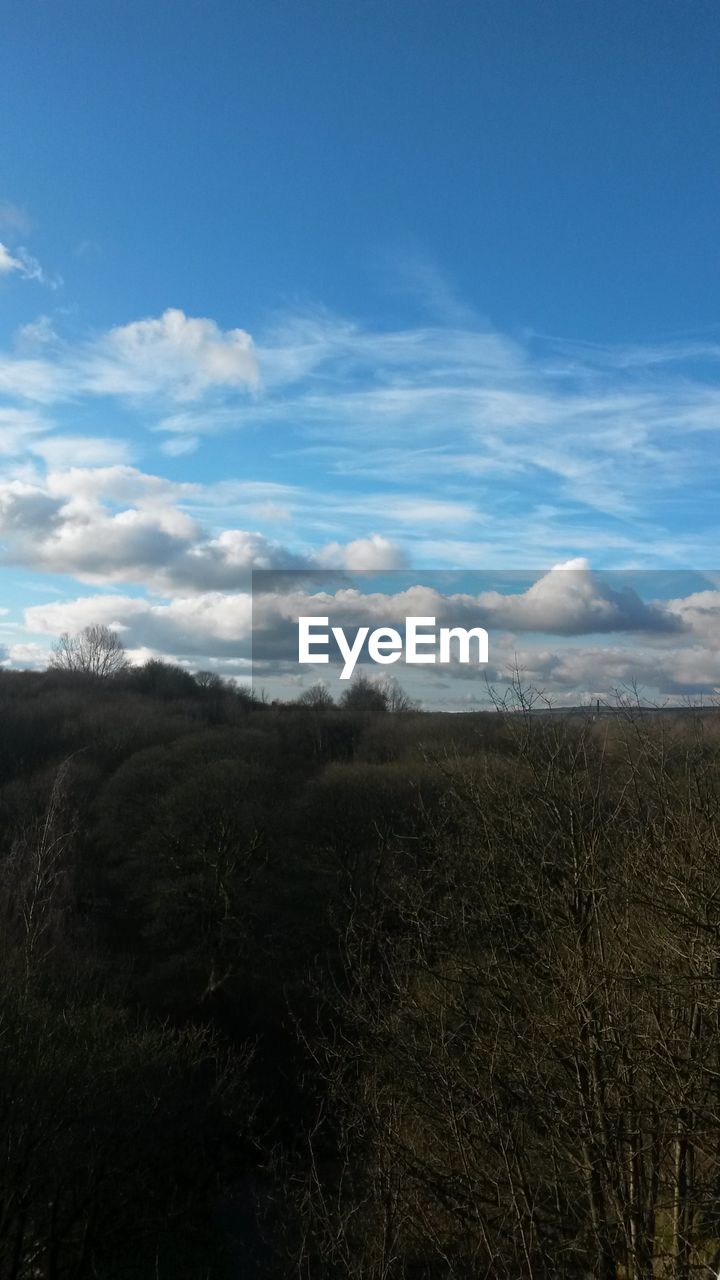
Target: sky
x,y
411,284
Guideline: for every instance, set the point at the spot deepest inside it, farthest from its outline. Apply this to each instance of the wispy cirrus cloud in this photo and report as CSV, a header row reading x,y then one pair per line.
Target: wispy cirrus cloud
x,y
14,218
449,409
60,451
19,428
21,263
459,404
463,402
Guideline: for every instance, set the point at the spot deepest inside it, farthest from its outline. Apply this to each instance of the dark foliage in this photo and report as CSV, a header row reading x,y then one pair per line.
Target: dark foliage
x,y
319,991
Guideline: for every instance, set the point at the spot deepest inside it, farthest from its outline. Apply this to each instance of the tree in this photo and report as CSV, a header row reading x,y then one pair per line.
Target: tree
x,y
208,680
519,1052
365,698
162,679
318,695
95,651
397,699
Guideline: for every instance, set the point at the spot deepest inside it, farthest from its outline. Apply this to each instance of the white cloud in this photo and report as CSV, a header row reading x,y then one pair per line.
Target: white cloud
x,y
36,337
95,451
24,264
38,380
374,552
178,446
606,430
19,429
29,656
114,484
568,601
7,262
419,511
572,600
700,612
116,524
474,421
477,449
599,671
214,627
212,624
171,358
175,354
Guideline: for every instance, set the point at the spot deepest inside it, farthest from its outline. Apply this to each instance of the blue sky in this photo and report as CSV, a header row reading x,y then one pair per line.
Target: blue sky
x,y
423,283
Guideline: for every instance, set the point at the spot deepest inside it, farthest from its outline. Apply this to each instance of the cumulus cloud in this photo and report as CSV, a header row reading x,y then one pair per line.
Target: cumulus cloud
x,y
568,601
176,354
700,612
572,600
113,524
29,656
115,484
194,627
171,358
25,508
65,527
597,671
374,552
228,628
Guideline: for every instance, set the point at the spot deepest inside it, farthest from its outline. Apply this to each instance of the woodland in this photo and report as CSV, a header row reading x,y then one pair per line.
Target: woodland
x,y
321,990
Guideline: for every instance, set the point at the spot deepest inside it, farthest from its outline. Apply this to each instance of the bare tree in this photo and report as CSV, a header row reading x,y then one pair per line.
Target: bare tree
x,y
208,680
397,698
521,1063
96,651
37,875
318,695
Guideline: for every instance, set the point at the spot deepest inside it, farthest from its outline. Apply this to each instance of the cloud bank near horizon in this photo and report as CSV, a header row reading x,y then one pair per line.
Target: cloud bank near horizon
x,y
573,632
